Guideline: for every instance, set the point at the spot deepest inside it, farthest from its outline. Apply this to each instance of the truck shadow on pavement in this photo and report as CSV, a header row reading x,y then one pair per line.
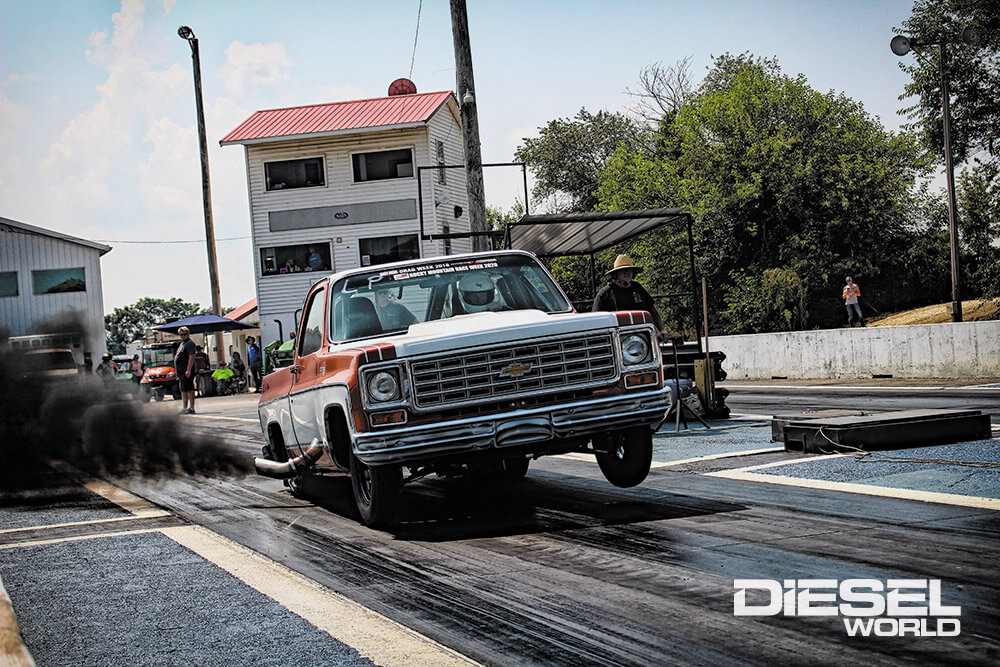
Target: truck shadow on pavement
x,y
441,510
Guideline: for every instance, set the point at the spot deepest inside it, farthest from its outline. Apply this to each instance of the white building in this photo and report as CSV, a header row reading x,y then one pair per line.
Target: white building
x,y
335,186
51,283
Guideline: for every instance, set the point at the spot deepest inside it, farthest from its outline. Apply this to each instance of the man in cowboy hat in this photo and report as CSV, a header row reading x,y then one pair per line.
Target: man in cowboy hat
x,y
623,293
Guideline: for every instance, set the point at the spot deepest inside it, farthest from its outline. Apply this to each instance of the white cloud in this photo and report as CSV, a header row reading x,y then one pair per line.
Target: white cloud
x,y
325,94
515,136
14,117
95,160
249,65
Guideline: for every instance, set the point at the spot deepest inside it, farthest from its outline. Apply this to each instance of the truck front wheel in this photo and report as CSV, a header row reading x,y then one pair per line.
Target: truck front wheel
x,y
376,492
625,456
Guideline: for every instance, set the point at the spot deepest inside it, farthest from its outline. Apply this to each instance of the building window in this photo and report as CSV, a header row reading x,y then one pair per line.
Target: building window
x,y
442,179
286,174
276,260
382,165
445,229
386,249
55,281
8,283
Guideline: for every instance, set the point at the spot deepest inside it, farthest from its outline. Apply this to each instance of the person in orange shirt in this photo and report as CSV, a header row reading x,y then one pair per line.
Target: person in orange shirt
x,y
850,295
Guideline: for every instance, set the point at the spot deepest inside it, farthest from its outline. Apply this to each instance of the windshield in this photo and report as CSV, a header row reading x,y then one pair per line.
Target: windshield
x,y
158,356
50,360
390,300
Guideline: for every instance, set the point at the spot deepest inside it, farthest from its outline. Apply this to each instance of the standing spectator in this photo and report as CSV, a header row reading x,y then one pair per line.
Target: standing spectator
x,y
851,294
137,369
255,360
106,370
184,367
315,261
202,368
623,293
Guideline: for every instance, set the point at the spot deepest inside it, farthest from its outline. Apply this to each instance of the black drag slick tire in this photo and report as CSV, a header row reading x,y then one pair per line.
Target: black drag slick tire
x,y
627,455
376,492
515,467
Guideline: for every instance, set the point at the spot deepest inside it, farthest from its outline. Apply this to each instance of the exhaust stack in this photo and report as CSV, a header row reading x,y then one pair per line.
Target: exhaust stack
x,y
291,467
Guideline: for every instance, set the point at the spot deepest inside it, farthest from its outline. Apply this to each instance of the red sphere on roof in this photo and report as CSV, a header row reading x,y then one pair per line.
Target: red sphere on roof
x,y
402,87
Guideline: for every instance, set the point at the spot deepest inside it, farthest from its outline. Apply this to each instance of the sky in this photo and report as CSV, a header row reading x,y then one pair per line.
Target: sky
x,y
98,134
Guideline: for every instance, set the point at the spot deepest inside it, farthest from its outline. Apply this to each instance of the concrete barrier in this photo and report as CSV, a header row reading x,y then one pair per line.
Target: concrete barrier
x,y
947,350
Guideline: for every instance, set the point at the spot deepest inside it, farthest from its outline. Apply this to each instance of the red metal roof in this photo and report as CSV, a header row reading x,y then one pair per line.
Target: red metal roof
x,y
319,119
246,309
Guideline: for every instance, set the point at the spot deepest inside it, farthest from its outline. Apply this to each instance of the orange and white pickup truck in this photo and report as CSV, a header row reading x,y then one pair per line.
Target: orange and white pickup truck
x,y
458,364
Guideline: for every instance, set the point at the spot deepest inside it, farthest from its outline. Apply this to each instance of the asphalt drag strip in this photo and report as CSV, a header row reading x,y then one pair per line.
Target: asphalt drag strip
x,y
101,576
965,474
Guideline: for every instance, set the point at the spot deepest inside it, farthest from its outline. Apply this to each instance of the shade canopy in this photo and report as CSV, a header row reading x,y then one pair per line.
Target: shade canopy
x,y
204,323
586,233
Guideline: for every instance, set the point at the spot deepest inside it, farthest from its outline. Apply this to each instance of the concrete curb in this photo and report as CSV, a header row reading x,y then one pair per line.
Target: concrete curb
x,y
13,652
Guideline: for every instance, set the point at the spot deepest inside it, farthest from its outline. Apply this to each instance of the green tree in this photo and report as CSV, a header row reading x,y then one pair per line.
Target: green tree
x,y
778,176
128,323
775,301
979,225
973,72
568,155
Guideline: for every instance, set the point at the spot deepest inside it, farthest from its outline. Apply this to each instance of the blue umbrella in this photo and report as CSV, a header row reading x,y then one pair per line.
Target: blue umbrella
x,y
204,323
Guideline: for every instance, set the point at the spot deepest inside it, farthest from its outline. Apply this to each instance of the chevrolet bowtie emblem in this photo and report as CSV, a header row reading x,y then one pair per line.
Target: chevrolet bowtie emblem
x,y
514,370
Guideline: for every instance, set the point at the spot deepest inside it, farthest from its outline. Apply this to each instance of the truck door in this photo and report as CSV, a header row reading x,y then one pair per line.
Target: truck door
x,y
306,407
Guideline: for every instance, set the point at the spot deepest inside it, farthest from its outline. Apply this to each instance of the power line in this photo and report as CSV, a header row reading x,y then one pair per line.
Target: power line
x,y
415,35
231,238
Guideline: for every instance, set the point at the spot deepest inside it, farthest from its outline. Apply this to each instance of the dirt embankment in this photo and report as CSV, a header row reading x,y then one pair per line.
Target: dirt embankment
x,y
972,310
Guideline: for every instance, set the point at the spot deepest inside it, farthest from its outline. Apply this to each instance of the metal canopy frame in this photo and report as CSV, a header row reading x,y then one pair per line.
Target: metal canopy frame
x,y
565,234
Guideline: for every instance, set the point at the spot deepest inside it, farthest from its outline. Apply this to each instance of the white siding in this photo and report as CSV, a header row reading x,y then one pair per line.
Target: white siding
x,y
23,252
443,127
279,296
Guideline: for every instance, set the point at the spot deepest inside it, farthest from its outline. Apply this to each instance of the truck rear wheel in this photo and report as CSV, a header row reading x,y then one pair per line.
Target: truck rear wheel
x,y
625,456
376,492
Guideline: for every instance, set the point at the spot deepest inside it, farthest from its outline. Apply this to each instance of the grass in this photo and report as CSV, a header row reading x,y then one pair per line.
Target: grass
x,y
972,310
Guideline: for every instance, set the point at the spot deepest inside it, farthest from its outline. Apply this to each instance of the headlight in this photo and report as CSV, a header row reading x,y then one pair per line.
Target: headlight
x,y
635,349
383,386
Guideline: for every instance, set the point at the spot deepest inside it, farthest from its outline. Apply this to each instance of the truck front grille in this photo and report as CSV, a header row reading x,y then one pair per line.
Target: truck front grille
x,y
529,367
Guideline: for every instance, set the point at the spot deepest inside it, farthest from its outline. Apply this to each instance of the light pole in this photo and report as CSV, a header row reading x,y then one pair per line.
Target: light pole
x,y
902,45
206,186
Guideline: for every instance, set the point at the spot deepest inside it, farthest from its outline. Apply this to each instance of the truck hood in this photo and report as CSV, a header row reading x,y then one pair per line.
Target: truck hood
x,y
490,328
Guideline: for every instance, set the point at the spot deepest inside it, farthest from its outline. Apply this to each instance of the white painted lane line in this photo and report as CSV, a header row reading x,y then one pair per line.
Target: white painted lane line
x,y
853,388
140,507
77,538
208,415
576,456
133,517
374,636
713,457
864,489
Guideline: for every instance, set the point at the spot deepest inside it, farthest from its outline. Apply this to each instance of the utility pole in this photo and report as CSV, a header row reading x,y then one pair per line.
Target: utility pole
x,y
187,34
949,170
466,90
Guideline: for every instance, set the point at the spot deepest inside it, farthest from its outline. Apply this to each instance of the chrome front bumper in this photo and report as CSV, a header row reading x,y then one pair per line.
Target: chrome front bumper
x,y
514,428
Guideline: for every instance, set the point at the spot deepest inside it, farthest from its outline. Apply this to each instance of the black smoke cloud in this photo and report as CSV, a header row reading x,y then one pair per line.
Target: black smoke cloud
x,y
96,430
